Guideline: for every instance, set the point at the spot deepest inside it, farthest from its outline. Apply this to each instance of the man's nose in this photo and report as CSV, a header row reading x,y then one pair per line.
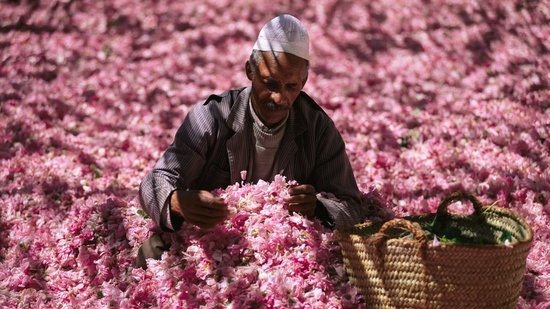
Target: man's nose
x,y
278,98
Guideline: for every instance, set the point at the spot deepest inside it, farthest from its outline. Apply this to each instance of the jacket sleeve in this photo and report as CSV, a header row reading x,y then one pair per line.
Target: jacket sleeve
x,y
179,167
334,180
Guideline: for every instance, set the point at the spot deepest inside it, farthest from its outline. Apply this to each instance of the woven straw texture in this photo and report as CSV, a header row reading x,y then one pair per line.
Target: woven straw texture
x,y
395,265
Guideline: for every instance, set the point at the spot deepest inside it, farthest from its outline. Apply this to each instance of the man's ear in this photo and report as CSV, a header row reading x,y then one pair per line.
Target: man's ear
x,y
248,70
304,80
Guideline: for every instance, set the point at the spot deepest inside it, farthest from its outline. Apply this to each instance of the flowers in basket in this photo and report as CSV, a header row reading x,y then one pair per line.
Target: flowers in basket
x,y
479,228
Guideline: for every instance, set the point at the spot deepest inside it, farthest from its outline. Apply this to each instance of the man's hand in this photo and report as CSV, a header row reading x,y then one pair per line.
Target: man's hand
x,y
302,199
199,207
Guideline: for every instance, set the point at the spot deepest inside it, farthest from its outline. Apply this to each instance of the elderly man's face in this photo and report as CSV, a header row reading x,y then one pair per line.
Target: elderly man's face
x,y
276,84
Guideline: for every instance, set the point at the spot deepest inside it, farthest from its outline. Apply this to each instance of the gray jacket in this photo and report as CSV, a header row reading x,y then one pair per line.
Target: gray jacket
x,y
213,145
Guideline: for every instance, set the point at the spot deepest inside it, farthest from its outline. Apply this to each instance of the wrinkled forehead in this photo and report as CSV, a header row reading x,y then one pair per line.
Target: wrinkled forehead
x,y
282,65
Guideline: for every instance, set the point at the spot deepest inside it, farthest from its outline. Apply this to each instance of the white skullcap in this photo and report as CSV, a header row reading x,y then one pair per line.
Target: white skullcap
x,y
284,33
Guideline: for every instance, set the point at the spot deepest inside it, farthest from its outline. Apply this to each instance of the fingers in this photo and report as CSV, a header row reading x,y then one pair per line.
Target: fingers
x,y
202,208
301,189
301,199
211,206
301,194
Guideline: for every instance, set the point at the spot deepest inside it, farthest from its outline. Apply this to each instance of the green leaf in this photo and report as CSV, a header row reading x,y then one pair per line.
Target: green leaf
x,y
506,235
96,171
444,238
142,213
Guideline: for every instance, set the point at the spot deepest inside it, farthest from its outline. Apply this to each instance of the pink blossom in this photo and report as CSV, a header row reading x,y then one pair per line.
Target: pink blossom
x,y
435,242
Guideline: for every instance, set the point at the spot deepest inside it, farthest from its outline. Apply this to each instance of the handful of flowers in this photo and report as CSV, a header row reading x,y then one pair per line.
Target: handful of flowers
x,y
262,257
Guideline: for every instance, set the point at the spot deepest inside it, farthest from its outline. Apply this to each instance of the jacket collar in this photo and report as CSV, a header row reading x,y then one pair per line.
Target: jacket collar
x,y
241,140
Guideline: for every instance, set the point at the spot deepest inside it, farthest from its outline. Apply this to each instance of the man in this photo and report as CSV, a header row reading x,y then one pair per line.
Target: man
x,y
269,128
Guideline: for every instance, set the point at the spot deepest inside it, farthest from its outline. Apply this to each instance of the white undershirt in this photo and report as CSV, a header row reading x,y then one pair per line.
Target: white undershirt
x,y
266,142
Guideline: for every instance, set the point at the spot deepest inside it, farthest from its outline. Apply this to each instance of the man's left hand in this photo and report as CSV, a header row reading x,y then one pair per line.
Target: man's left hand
x,y
302,199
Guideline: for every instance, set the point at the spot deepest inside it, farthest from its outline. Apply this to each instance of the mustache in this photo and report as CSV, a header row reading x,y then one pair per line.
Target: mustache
x,y
276,107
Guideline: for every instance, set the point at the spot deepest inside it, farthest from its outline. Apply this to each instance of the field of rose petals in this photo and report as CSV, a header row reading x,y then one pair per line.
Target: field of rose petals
x,y
431,96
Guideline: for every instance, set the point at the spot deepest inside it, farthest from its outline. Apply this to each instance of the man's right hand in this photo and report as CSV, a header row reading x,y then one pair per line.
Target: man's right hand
x,y
199,207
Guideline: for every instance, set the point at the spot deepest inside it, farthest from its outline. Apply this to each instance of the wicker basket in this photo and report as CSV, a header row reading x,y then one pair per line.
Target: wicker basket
x,y
397,265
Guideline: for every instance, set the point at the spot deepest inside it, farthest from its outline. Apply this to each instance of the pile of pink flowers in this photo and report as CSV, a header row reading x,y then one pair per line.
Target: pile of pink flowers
x,y
261,258
430,97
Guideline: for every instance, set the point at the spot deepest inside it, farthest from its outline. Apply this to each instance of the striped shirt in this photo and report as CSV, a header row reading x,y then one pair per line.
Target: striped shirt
x,y
266,143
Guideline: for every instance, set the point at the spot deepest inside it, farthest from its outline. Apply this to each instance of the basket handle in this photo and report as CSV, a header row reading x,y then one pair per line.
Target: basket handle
x,y
456,196
410,226
380,238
